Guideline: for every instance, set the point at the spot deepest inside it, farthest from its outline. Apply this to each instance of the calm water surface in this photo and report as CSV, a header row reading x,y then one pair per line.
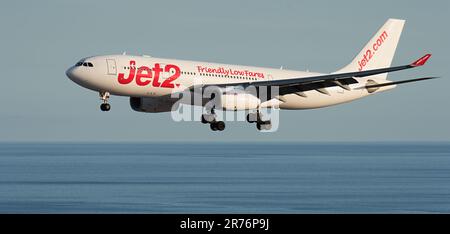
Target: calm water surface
x,y
224,178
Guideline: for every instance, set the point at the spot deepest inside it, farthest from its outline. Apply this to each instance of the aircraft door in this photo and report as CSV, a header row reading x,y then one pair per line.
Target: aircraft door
x,y
112,68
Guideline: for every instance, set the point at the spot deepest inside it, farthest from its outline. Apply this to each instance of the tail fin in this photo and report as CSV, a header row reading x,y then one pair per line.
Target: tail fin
x,y
379,51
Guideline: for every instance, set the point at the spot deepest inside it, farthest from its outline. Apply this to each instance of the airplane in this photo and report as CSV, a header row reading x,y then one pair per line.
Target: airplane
x,y
150,82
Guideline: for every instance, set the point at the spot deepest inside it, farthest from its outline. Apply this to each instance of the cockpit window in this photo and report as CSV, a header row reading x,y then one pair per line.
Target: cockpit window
x,y
84,64
88,65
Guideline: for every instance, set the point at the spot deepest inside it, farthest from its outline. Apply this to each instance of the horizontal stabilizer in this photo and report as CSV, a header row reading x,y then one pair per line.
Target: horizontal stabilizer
x,y
396,82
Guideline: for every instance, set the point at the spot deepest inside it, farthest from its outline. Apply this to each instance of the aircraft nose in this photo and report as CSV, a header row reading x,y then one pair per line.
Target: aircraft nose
x,y
69,73
74,74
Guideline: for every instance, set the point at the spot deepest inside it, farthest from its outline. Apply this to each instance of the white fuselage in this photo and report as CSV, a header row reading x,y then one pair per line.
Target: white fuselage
x,y
144,76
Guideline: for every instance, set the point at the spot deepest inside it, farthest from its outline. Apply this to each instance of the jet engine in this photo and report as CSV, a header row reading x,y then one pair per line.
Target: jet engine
x,y
152,105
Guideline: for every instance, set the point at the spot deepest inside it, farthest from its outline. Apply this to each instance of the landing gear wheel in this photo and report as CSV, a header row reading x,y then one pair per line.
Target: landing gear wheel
x,y
220,125
213,126
264,125
105,107
267,126
217,126
252,117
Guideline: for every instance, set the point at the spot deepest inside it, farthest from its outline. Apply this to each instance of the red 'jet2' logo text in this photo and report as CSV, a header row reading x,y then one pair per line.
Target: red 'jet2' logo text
x,y
146,76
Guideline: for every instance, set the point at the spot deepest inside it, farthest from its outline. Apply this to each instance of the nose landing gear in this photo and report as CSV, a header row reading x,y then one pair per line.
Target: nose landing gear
x,y
104,96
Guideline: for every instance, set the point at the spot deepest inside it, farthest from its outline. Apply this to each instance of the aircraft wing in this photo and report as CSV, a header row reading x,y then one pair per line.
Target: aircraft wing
x,y
301,84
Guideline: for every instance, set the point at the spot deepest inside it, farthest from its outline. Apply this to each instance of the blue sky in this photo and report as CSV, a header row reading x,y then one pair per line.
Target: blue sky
x,y
41,39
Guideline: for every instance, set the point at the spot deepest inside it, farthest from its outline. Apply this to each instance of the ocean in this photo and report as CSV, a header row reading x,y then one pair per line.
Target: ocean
x,y
225,177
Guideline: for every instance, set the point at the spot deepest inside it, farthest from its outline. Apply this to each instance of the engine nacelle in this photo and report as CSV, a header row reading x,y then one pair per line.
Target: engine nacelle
x,y
239,101
152,105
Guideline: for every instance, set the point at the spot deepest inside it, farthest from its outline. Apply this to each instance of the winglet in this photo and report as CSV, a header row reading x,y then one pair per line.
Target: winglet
x,y
421,61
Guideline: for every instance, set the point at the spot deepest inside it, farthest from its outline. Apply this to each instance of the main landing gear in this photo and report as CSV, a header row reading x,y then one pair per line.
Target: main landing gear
x,y
210,118
260,123
104,96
